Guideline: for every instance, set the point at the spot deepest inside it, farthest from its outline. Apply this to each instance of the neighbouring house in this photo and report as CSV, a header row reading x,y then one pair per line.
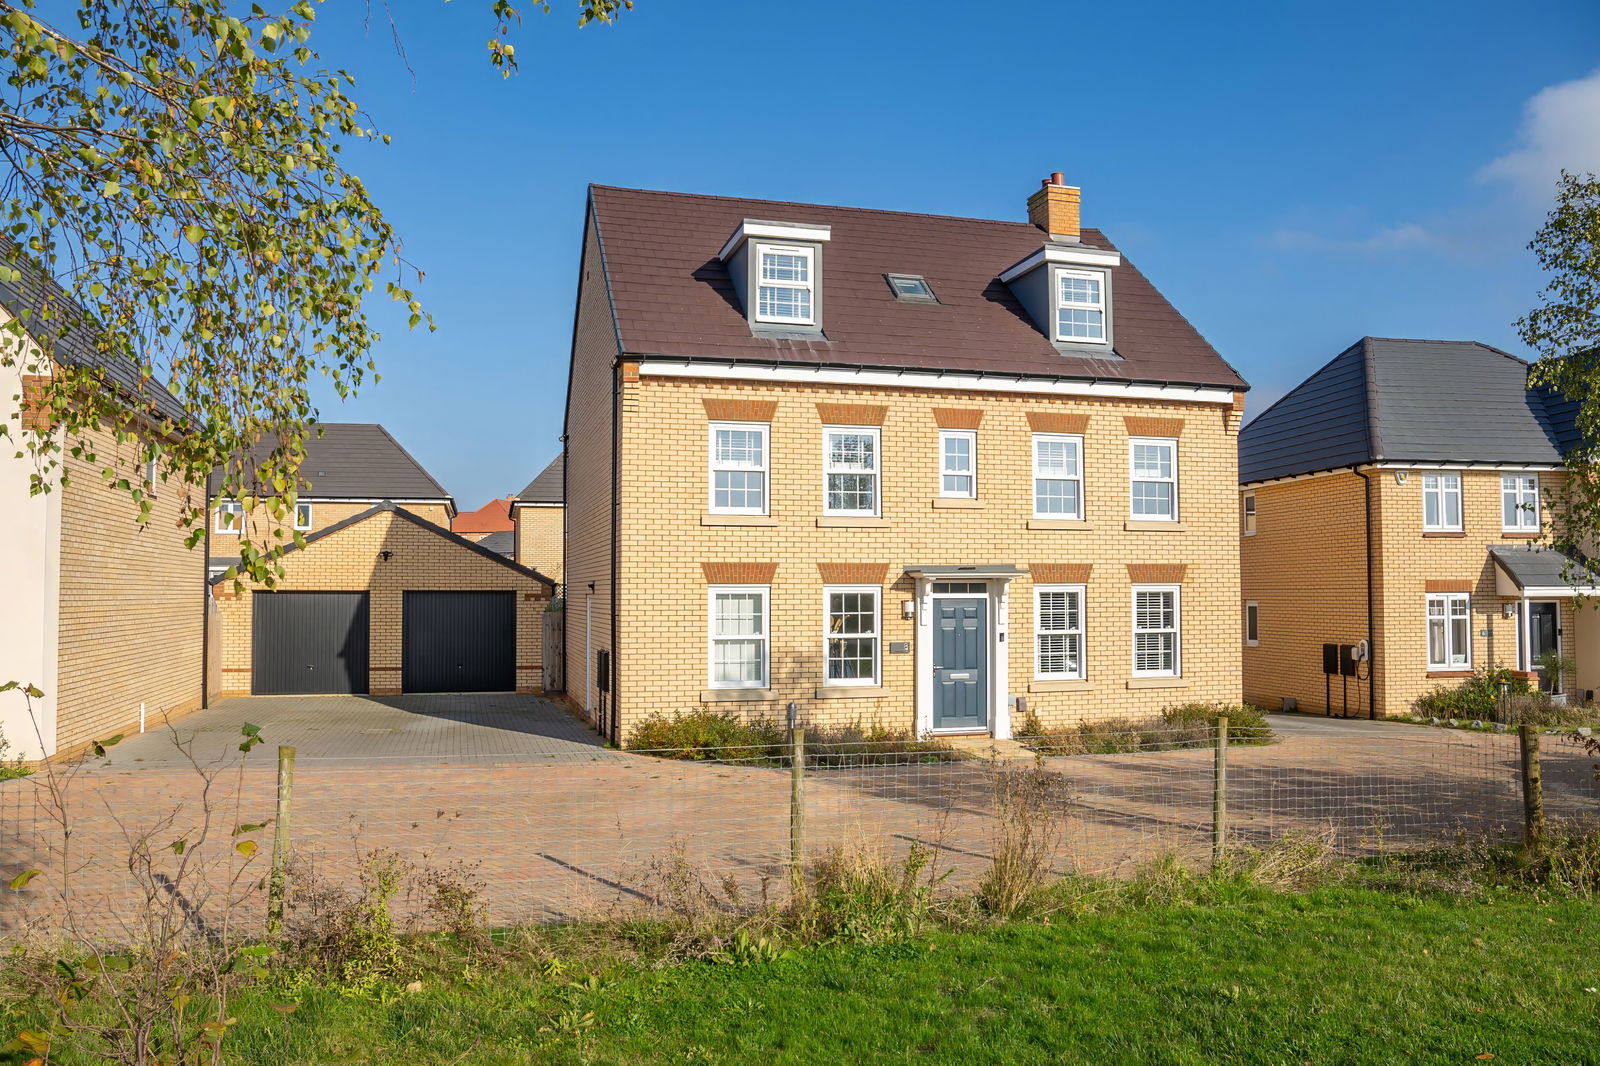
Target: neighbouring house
x,y
1398,496
102,614
348,467
492,517
537,512
898,469
504,542
384,602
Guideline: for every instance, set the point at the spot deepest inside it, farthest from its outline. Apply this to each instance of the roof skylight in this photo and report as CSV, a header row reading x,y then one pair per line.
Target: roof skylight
x,y
912,288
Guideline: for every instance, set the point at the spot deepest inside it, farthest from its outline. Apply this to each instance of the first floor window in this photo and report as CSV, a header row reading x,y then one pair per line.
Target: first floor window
x,y
1249,516
302,516
230,517
739,636
1519,503
850,642
958,461
1450,631
1058,628
1441,502
850,471
1057,476
1252,623
1155,631
152,470
739,468
1153,472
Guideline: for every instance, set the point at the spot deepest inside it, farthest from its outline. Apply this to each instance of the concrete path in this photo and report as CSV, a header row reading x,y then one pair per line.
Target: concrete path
x,y
445,729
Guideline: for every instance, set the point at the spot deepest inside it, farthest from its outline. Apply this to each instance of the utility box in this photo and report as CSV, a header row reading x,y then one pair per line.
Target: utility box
x,y
1330,658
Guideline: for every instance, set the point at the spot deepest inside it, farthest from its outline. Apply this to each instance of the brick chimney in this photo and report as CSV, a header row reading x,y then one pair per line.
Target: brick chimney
x,y
1054,207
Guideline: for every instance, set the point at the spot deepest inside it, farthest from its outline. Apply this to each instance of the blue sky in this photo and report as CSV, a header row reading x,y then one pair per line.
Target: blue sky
x,y
1291,176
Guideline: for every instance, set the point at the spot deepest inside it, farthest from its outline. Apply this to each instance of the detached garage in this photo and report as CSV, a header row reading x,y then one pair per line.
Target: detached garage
x,y
384,602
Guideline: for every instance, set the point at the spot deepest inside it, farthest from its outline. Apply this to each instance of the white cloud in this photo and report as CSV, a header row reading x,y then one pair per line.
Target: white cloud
x,y
1384,239
1560,130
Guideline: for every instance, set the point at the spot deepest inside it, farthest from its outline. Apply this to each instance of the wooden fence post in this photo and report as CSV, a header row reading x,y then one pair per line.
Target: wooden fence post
x,y
1532,787
797,808
1219,793
280,842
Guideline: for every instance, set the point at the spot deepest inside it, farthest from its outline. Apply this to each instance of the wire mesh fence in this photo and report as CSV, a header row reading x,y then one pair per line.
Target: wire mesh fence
x,y
615,833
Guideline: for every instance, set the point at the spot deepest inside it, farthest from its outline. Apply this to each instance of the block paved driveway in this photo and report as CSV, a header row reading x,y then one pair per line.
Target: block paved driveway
x,y
352,731
586,831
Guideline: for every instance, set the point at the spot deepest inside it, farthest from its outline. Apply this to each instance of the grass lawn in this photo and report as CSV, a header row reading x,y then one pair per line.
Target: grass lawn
x,y
1333,977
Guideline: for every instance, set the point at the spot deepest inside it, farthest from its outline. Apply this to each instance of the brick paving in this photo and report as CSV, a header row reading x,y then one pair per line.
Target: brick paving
x,y
573,835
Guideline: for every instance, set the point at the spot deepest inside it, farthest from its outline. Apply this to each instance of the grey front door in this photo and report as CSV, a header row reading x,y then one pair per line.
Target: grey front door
x,y
961,663
1543,638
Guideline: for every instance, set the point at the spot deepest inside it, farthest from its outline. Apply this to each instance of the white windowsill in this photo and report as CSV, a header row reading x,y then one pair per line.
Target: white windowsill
x,y
1061,685
850,522
738,520
957,501
1158,682
1079,524
735,695
851,692
1155,525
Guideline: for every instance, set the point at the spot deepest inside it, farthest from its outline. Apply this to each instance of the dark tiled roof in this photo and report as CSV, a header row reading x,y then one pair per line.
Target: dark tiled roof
x,y
547,487
504,541
490,518
401,512
1535,567
60,320
673,297
1417,401
358,461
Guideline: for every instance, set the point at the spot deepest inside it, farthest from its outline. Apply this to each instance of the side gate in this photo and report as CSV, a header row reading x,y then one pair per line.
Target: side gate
x,y
554,649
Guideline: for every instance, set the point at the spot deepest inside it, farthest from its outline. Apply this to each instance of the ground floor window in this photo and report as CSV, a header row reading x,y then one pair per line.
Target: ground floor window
x,y
1058,632
1155,631
1252,623
850,637
738,636
1450,631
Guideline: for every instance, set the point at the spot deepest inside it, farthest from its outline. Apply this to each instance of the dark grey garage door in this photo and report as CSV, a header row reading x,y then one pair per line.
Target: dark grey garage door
x,y
460,642
309,642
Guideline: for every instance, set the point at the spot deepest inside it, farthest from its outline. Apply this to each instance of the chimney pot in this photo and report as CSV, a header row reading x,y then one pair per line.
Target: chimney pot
x,y
1058,178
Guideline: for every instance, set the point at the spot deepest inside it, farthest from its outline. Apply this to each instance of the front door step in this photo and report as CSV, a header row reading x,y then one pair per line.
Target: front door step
x,y
987,747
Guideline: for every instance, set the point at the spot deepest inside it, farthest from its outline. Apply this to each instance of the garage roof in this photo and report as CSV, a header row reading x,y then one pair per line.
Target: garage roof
x,y
401,512
358,461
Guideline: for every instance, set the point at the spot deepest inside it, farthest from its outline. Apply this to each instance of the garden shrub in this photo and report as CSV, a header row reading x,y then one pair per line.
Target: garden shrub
x,y
1189,723
1184,726
709,735
1477,697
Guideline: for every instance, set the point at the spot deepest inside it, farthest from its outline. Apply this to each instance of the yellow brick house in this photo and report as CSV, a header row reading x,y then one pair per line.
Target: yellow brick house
x,y
904,470
1399,497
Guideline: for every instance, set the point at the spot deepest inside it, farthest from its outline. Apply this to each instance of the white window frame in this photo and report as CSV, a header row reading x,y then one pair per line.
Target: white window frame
x,y
1060,304
1039,673
1076,440
712,466
1134,479
765,592
152,471
1176,630
233,507
876,472
1444,477
809,285
971,473
303,525
1447,602
1528,518
1252,623
876,636
1249,515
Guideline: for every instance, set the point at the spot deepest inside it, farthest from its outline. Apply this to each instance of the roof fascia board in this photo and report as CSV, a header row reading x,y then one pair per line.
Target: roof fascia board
x,y
688,368
1436,464
780,231
534,503
1077,255
1298,477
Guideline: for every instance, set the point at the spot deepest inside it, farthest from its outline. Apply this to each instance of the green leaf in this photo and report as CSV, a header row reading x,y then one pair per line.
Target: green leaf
x,y
20,881
247,848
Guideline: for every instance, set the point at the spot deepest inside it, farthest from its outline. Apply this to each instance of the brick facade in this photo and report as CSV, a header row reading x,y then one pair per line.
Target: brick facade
x,y
349,560
671,550
1306,567
132,604
539,532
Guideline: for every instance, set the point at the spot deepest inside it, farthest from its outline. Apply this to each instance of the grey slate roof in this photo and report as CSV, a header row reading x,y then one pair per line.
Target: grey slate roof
x,y
61,323
1533,567
548,486
360,461
1421,401
503,541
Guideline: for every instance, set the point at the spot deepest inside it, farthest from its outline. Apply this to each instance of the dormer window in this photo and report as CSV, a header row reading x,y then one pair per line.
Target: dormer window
x,y
787,285
776,268
1080,306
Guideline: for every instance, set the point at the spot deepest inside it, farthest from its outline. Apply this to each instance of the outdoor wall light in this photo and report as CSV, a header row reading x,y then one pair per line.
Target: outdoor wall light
x,y
1509,610
386,555
908,609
